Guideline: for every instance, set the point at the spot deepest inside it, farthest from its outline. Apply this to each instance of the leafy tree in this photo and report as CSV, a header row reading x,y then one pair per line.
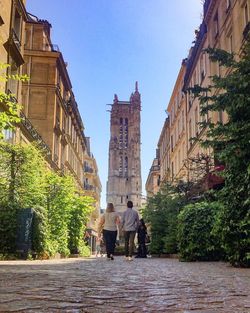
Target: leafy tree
x,y
23,175
79,215
9,109
231,142
22,185
61,213
161,213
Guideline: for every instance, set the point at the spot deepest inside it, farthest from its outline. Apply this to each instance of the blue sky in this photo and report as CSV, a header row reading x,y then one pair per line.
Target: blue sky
x,y
110,44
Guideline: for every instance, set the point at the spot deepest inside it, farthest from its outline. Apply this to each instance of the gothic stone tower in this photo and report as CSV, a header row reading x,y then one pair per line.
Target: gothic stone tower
x,y
124,176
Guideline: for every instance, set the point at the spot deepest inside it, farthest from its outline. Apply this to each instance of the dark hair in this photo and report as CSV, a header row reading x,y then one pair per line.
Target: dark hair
x,y
142,222
130,204
142,225
110,208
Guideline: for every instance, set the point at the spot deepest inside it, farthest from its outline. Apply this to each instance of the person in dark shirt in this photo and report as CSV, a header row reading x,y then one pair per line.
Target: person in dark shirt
x,y
141,236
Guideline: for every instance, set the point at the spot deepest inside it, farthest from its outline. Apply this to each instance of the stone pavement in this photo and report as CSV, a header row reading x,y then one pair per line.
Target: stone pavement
x,y
143,285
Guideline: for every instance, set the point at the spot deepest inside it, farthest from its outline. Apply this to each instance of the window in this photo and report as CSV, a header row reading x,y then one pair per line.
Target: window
x,y
190,131
196,122
190,99
179,128
8,135
172,143
1,21
56,148
182,119
126,134
246,15
228,4
179,159
12,84
126,166
121,166
220,116
17,25
216,25
194,78
202,67
230,43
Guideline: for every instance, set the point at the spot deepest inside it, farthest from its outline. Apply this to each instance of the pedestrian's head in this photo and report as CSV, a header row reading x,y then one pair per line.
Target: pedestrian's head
x,y
130,204
110,207
142,222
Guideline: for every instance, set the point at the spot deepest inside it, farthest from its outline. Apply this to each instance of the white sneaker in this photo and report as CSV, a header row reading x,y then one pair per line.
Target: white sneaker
x,y
130,258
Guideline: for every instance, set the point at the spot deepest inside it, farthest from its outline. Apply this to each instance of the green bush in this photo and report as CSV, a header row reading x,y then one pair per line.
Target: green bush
x,y
8,228
161,213
60,212
79,215
196,236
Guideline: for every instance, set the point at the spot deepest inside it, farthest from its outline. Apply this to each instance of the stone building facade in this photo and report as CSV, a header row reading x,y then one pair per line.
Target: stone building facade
x,y
49,102
12,24
225,25
153,180
50,115
124,175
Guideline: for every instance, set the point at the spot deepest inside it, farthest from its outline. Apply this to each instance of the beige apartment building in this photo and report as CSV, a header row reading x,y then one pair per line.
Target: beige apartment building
x,y
92,184
177,129
225,25
153,180
49,102
50,105
12,23
50,115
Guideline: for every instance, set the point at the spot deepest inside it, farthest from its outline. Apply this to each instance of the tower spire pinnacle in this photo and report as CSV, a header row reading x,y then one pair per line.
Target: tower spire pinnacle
x,y
136,86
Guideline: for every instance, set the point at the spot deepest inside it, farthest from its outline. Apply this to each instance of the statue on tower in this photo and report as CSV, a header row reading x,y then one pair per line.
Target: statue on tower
x,y
115,99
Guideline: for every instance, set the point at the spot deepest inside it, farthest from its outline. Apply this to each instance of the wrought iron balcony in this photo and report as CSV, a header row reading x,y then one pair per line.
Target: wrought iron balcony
x,y
246,30
155,168
13,47
88,187
88,169
34,134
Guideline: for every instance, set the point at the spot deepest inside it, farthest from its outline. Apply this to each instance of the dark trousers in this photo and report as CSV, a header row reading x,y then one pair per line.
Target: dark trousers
x,y
109,239
129,237
142,250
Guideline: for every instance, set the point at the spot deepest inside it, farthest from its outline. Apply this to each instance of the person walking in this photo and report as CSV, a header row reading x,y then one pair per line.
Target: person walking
x,y
141,236
109,221
129,224
99,241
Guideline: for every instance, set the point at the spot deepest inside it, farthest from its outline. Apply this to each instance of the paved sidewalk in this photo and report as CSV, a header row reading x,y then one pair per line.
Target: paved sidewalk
x,y
143,285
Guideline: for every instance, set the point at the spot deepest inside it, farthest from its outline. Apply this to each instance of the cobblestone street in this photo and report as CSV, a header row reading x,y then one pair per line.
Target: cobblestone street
x,y
144,285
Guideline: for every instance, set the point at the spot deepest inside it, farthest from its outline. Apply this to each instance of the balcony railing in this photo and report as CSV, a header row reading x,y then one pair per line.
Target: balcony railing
x,y
13,47
16,39
155,168
88,187
88,169
246,30
34,134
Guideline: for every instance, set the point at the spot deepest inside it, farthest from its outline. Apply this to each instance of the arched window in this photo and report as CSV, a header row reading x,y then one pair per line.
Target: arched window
x,y
121,166
126,166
